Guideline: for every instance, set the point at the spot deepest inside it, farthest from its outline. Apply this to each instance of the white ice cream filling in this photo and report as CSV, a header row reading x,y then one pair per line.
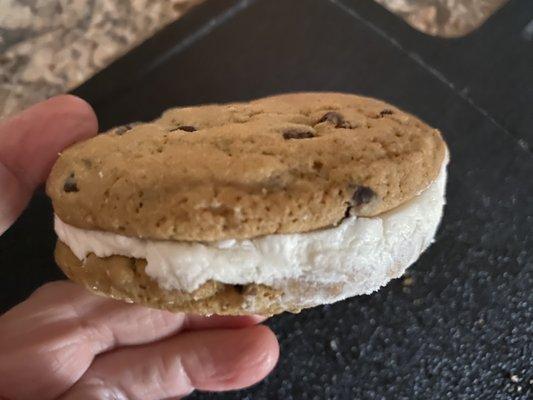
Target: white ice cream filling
x,y
359,255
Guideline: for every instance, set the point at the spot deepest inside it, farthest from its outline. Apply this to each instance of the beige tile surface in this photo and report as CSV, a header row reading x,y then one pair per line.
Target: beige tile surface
x,y
51,46
445,18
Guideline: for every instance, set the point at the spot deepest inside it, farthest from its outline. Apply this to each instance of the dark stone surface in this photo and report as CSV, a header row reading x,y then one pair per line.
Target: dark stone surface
x,y
461,324
492,68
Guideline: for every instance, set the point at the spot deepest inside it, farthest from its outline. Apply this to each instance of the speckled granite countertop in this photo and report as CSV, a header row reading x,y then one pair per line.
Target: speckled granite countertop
x,y
51,46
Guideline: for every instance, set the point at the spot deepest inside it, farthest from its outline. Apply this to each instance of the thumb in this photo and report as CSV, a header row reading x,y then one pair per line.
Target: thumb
x,y
30,143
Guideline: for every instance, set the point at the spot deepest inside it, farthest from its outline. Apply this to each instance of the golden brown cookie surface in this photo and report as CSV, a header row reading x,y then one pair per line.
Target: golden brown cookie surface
x,y
289,163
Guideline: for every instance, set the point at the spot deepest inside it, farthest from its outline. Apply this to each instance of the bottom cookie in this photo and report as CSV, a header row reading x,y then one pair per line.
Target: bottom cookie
x,y
123,278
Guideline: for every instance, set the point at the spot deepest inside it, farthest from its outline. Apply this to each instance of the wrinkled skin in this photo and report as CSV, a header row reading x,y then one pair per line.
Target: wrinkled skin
x,y
64,342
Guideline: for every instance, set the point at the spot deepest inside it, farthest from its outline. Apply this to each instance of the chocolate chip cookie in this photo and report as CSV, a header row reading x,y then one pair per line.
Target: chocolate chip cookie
x,y
248,196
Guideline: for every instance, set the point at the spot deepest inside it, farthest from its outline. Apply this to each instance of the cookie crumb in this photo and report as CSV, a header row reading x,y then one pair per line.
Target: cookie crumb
x,y
408,281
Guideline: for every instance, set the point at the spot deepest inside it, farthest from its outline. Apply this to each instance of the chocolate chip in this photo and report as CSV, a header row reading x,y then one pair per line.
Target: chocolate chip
x,y
317,165
363,195
347,213
297,134
334,118
239,288
186,128
70,184
385,112
122,129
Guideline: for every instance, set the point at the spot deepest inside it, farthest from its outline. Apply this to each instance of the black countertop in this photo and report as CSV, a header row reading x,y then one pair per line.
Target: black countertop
x,y
461,325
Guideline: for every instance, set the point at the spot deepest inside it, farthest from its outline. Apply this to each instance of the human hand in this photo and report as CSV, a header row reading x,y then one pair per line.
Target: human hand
x,y
64,342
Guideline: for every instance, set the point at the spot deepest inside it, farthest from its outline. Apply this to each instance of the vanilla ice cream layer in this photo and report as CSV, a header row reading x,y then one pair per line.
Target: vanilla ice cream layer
x,y
355,257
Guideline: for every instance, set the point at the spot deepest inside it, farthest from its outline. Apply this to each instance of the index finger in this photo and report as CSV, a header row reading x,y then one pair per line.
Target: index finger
x,y
30,143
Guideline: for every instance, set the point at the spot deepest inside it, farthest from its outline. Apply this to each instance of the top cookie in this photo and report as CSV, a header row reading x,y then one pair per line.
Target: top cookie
x,y
288,163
